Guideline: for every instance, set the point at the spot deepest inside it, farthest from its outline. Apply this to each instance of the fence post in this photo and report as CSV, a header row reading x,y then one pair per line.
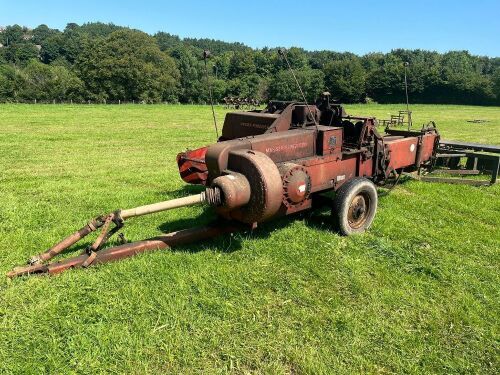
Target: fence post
x,y
119,102
35,101
54,101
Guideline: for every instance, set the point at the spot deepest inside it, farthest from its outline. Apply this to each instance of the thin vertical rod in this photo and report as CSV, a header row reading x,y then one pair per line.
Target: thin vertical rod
x,y
282,52
205,56
407,101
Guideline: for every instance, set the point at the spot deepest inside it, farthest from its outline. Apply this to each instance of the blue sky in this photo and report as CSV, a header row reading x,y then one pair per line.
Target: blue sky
x,y
359,26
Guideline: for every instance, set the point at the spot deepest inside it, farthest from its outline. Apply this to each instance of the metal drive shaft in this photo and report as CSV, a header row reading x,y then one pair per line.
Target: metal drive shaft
x,y
163,206
210,196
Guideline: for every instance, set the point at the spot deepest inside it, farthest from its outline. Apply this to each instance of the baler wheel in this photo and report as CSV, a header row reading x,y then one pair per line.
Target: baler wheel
x,y
354,206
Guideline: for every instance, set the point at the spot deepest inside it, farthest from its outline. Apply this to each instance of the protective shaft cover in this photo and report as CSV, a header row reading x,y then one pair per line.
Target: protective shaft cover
x,y
266,190
235,190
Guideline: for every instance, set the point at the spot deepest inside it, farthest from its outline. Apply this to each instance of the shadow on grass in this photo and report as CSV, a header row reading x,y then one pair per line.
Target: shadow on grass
x,y
230,242
318,218
314,218
385,190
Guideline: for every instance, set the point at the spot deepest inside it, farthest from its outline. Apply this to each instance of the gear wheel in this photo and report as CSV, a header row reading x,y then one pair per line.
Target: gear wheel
x,y
296,184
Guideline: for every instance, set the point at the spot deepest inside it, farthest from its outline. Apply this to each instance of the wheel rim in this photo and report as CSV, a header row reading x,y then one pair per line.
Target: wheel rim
x,y
358,212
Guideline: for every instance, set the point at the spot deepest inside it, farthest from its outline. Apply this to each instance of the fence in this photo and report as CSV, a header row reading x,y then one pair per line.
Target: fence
x,y
235,103
83,102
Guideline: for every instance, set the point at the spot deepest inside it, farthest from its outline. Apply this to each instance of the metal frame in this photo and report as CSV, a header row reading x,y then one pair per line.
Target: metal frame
x,y
479,159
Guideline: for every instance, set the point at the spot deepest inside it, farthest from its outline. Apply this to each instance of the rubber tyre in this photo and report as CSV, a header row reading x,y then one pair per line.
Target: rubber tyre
x,y
354,206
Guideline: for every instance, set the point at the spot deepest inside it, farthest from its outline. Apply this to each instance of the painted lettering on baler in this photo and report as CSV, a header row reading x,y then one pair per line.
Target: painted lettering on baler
x,y
286,147
253,125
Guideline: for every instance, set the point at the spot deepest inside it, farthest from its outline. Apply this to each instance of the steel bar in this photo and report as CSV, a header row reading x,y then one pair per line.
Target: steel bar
x,y
453,154
67,242
470,146
164,241
495,170
457,171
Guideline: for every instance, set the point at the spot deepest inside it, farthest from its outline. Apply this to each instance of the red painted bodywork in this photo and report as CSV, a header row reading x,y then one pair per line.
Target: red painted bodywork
x,y
402,152
192,166
329,155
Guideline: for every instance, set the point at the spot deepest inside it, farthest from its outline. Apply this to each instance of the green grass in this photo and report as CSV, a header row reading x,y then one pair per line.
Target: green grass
x,y
419,293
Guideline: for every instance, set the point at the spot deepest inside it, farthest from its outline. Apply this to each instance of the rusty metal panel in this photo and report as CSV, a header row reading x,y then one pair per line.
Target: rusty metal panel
x,y
402,152
279,146
291,209
286,146
265,183
428,143
243,124
331,174
329,140
366,168
217,155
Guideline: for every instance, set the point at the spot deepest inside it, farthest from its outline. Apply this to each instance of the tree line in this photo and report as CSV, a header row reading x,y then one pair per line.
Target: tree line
x,y
105,63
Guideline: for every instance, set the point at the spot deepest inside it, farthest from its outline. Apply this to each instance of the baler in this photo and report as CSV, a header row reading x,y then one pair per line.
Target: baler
x,y
267,164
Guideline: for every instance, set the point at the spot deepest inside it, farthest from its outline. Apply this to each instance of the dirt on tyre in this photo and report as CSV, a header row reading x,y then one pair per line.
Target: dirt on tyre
x,y
354,206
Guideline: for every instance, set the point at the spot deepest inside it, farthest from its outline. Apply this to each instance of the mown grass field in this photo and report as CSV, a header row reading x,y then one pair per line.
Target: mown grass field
x,y
419,293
